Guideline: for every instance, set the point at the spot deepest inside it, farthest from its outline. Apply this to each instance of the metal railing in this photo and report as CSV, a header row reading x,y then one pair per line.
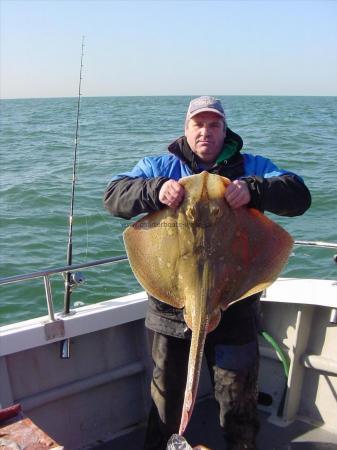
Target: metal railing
x,y
320,244
46,273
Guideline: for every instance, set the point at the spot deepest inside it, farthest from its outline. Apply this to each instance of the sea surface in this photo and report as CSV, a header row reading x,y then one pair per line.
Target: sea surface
x,y
37,144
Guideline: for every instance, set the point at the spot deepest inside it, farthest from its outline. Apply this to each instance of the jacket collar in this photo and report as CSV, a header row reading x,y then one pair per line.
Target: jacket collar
x,y
180,148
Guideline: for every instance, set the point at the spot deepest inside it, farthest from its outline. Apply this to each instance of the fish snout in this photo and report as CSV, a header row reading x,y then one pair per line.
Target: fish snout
x,y
204,216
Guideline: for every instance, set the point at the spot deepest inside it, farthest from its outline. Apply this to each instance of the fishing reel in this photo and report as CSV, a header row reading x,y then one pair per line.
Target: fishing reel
x,y
76,279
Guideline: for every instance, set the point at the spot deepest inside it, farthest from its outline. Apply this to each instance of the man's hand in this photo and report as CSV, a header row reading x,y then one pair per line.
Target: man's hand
x,y
237,194
171,193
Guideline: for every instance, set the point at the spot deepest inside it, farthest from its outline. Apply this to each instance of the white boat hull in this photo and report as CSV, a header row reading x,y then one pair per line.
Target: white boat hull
x,y
102,391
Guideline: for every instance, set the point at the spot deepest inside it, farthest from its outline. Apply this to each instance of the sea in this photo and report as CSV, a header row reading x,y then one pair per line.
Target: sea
x,y
37,150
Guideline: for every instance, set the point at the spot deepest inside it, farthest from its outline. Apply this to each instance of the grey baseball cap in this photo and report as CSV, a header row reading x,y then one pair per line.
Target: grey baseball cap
x,y
203,104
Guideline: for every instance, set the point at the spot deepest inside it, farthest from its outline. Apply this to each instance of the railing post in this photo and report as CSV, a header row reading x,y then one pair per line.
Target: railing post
x,y
54,328
49,298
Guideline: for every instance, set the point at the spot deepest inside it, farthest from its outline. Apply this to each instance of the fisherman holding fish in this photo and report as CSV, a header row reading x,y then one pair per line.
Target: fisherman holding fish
x,y
231,350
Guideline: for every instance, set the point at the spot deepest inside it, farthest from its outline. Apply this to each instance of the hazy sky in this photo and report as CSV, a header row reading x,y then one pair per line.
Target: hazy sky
x,y
168,47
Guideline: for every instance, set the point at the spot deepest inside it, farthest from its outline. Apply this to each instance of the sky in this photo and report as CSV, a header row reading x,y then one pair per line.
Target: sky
x,y
160,47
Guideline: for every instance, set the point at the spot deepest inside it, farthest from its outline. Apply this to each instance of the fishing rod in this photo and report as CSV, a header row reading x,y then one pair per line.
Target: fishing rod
x,y
71,279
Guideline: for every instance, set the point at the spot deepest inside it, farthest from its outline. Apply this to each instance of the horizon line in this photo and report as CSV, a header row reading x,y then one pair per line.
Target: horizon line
x,y
164,95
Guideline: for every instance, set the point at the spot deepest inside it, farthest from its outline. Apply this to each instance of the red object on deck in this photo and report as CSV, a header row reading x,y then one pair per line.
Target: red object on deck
x,y
17,431
8,413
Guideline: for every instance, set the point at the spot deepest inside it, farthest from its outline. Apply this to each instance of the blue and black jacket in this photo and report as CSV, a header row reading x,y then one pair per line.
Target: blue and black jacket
x,y
272,189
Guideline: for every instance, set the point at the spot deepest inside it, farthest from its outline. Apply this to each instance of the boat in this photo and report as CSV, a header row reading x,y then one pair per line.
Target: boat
x,y
97,395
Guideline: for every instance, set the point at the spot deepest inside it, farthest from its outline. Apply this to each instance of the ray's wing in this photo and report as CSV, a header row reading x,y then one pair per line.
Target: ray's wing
x,y
152,246
260,251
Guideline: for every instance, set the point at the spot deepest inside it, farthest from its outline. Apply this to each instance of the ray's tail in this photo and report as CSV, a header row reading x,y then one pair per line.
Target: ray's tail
x,y
193,374
200,325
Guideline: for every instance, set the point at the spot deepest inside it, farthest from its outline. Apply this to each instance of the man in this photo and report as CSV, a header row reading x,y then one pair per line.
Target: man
x,y
231,350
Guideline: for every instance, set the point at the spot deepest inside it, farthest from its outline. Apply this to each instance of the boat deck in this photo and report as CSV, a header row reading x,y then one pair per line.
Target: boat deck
x,y
204,429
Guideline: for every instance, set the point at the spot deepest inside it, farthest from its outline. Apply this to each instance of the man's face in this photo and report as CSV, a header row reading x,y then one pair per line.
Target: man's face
x,y
205,134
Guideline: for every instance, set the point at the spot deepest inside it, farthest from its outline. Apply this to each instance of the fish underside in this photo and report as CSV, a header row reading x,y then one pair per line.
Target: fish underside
x,y
203,257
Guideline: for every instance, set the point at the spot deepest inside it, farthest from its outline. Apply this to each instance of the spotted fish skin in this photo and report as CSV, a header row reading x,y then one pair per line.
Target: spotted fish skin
x,y
203,257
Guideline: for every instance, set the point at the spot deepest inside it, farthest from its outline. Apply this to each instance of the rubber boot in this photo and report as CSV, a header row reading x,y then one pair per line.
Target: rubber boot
x,y
236,394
